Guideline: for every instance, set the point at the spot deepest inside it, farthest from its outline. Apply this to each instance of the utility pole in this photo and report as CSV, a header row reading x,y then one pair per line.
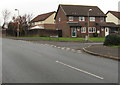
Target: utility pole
x,y
87,37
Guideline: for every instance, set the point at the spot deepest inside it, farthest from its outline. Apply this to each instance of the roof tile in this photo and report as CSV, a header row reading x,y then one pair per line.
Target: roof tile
x,y
42,17
81,10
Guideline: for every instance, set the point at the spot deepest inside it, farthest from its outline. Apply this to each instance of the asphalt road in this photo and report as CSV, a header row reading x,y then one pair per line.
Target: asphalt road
x,y
27,62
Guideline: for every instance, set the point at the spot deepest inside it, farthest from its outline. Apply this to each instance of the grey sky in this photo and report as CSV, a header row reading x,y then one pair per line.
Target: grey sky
x,y
37,7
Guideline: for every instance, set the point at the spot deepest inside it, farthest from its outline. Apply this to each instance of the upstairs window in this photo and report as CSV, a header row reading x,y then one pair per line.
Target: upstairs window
x,y
92,18
70,18
102,19
81,18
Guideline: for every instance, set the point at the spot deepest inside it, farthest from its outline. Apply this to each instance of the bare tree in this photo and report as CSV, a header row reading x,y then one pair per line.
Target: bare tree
x,y
28,18
24,25
5,13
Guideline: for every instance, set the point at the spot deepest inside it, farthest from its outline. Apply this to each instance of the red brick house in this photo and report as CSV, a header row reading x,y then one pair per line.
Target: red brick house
x,y
44,21
81,21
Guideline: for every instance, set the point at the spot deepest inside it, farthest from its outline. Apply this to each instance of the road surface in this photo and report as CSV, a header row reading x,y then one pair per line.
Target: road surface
x,y
27,62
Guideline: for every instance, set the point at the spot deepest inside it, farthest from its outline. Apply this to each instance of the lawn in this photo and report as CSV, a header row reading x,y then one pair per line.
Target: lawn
x,y
101,39
94,39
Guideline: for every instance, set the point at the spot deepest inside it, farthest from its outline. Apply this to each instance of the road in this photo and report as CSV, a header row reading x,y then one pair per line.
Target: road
x,y
28,62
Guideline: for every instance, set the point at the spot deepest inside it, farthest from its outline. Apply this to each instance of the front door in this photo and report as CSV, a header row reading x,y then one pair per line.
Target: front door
x,y
106,31
74,32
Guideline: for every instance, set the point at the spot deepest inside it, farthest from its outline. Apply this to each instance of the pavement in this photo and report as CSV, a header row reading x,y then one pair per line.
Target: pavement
x,y
103,51
29,62
94,48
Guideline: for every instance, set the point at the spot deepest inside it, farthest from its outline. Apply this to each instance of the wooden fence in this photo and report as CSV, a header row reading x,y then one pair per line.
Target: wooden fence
x,y
36,33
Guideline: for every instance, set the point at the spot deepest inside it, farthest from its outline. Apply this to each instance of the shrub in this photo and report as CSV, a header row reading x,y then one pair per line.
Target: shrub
x,y
95,34
112,39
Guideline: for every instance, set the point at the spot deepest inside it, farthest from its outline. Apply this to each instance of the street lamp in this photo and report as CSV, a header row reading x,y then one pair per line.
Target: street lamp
x,y
18,23
88,23
58,27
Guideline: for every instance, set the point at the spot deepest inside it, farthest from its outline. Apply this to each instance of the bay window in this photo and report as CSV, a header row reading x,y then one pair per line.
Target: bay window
x,y
83,29
92,29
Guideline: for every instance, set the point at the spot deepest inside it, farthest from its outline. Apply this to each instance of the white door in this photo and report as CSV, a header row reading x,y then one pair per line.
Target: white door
x,y
73,32
106,31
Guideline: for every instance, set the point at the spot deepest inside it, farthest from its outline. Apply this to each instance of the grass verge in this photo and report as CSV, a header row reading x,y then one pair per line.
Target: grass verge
x,y
93,39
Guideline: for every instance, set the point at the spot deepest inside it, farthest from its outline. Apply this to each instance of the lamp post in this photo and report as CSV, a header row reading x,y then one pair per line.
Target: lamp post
x,y
18,23
88,23
58,27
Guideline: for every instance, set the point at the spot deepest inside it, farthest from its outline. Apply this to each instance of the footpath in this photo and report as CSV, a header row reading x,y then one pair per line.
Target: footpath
x,y
103,51
94,48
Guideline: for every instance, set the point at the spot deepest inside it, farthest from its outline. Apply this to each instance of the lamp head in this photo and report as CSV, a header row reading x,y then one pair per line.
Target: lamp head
x,y
90,9
16,9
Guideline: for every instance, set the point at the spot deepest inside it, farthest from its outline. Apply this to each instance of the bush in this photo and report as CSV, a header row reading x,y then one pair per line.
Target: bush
x,y
95,34
112,39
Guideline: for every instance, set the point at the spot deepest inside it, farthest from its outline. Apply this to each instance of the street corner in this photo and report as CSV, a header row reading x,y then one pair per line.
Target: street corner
x,y
100,50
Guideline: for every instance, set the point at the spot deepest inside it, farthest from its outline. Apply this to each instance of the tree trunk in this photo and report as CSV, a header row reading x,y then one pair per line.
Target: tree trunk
x,y
3,26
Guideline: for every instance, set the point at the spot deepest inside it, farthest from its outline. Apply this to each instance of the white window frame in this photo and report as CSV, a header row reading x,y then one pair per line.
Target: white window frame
x,y
81,18
92,29
92,18
70,18
83,29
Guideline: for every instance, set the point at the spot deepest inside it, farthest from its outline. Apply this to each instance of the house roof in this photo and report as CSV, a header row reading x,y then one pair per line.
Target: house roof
x,y
108,24
81,10
115,13
42,17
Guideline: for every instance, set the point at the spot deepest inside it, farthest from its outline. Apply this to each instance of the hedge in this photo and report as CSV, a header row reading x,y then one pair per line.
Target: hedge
x,y
112,39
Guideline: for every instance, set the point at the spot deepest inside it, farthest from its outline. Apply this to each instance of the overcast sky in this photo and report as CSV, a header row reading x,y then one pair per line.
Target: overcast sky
x,y
37,7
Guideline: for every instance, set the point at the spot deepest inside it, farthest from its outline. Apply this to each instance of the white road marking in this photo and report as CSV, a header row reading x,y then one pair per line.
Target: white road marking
x,y
63,48
79,70
73,50
67,48
46,44
79,51
52,45
89,45
55,46
58,47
